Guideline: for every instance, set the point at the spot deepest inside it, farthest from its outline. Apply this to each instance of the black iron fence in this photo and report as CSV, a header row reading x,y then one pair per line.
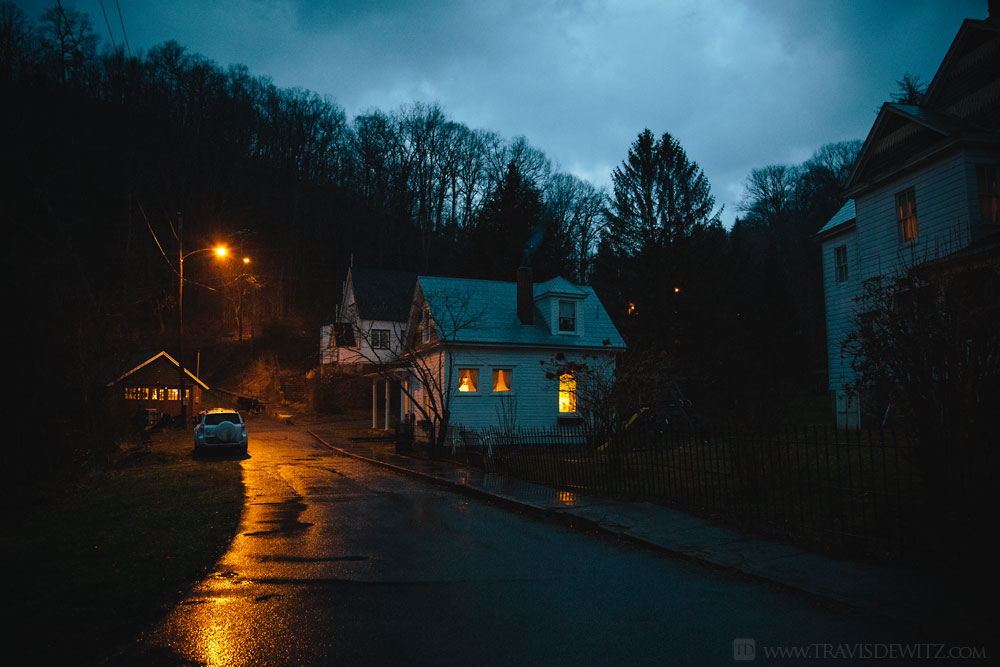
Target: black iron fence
x,y
844,492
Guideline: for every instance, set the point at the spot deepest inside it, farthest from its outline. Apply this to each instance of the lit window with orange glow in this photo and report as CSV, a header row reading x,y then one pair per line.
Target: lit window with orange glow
x,y
567,392
173,394
468,378
501,379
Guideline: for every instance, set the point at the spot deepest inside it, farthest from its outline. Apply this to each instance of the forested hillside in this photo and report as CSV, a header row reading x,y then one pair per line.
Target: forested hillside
x,y
106,152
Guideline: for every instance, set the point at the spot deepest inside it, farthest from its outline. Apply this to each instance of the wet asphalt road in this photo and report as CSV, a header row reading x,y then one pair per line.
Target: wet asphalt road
x,y
341,562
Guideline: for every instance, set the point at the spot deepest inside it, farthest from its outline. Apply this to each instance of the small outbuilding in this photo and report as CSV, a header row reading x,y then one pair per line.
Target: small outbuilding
x,y
152,383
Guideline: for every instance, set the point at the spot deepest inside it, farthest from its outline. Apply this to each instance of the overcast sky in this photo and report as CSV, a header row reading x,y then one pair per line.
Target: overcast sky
x,y
741,83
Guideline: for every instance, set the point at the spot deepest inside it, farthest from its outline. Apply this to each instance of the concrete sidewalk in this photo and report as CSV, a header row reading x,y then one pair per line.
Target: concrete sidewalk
x,y
898,594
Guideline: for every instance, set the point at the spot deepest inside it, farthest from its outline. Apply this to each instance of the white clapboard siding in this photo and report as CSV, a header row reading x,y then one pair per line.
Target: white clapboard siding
x,y
840,299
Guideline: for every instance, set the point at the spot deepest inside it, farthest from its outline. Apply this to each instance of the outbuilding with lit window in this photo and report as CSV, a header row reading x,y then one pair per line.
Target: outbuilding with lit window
x,y
152,383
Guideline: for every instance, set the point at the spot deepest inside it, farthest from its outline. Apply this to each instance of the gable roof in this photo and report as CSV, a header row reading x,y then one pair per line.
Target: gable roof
x,y
381,294
963,49
141,359
484,312
839,221
962,104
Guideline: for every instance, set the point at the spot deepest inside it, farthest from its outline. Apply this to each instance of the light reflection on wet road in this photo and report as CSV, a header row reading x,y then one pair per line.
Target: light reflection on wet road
x,y
340,562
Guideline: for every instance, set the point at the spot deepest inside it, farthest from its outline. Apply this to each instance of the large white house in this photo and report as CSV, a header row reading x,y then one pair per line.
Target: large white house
x,y
491,352
924,187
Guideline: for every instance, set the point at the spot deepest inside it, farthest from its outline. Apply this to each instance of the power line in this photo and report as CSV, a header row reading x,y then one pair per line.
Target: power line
x,y
107,23
124,34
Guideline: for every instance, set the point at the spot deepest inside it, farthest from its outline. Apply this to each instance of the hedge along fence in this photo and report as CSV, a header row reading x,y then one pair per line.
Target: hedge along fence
x,y
852,493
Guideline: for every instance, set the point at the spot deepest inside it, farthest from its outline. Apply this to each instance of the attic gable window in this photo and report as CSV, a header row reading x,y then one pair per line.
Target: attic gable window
x,y
380,339
567,316
906,213
840,259
425,325
986,178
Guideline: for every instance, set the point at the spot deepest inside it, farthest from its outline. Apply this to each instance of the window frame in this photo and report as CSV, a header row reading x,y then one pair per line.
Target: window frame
x,y
572,320
509,370
473,374
377,335
907,219
841,265
569,391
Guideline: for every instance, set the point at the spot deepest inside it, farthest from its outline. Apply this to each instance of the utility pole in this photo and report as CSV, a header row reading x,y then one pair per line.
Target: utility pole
x,y
180,314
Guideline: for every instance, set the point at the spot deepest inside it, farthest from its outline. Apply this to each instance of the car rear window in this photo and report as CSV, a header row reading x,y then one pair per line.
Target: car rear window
x,y
217,418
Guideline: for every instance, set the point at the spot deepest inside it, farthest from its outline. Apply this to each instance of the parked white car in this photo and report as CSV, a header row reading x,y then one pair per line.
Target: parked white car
x,y
220,429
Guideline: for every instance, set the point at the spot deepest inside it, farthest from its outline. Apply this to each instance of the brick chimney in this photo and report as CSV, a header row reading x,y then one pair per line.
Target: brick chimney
x,y
525,295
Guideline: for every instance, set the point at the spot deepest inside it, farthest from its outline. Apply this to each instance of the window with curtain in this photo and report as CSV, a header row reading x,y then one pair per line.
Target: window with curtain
x,y
468,378
501,379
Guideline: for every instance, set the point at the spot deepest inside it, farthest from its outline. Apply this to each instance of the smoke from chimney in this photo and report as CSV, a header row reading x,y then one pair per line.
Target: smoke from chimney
x,y
525,295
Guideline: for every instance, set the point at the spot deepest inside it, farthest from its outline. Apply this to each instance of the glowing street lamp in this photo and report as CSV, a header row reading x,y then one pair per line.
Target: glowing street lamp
x,y
220,251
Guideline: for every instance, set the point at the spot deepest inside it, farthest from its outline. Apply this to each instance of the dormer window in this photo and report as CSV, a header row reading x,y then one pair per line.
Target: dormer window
x,y
567,316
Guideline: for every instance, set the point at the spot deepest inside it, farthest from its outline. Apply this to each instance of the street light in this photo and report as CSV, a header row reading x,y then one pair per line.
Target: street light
x,y
221,252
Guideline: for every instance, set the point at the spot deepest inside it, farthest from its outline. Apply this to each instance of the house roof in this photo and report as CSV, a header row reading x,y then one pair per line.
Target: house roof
x,y
845,215
936,86
484,312
959,106
138,360
381,294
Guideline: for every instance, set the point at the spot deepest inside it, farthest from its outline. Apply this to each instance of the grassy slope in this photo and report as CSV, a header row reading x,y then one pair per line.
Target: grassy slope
x,y
98,564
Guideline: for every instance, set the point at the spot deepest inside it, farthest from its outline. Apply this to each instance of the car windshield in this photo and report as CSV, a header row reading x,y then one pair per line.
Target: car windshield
x,y
216,418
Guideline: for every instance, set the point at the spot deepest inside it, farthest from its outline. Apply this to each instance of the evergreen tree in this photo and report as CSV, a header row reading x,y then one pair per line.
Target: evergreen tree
x,y
499,243
659,196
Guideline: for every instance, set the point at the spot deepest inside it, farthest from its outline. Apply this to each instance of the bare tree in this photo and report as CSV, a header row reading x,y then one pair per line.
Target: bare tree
x,y
16,41
577,208
68,40
927,342
421,359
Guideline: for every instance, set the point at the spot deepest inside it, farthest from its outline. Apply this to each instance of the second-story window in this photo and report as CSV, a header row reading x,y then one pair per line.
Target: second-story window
x,y
840,259
906,213
567,316
986,178
380,339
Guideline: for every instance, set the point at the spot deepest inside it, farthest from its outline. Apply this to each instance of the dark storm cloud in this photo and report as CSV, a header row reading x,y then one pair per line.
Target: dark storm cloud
x,y
741,84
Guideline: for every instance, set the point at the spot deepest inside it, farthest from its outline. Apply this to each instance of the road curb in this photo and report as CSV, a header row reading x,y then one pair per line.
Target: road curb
x,y
583,523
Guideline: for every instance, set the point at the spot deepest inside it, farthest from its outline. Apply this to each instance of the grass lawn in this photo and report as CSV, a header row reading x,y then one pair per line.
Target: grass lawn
x,y
96,563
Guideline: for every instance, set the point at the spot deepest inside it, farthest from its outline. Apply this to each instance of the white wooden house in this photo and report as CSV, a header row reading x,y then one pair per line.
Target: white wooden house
x,y
513,352
924,187
370,319
368,330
